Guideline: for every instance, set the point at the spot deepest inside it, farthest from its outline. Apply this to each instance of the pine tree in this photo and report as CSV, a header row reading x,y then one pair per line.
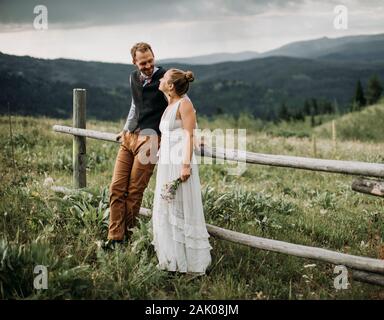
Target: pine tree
x,y
298,115
271,115
315,107
359,100
374,90
328,107
313,122
314,110
335,107
307,108
283,112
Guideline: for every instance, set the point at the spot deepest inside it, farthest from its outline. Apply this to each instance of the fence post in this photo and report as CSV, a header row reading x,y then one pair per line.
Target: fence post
x,y
334,137
79,148
314,146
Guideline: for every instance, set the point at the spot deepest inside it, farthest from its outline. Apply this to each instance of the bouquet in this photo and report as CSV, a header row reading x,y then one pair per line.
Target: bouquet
x,y
168,191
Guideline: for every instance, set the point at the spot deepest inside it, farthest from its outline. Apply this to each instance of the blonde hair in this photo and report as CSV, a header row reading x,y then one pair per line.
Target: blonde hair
x,y
140,46
181,80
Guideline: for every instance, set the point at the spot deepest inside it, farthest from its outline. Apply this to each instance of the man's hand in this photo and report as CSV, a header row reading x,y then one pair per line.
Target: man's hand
x,y
185,172
121,136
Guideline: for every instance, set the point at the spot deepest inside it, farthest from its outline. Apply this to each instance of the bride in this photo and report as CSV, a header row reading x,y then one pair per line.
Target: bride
x,y
180,236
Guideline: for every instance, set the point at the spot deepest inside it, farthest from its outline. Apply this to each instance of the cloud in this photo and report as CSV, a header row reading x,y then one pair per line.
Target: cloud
x,y
85,13
176,28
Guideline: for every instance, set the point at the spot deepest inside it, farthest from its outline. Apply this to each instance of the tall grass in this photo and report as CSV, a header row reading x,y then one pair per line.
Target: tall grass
x,y
64,232
366,125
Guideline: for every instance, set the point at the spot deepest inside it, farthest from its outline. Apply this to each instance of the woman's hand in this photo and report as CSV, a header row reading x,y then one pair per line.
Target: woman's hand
x,y
186,172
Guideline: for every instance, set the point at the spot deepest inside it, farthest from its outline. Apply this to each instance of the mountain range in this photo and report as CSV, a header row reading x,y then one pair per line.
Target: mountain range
x,y
325,69
350,47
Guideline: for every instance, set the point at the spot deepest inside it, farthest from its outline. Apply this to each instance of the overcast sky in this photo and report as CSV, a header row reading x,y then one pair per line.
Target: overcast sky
x,y
105,30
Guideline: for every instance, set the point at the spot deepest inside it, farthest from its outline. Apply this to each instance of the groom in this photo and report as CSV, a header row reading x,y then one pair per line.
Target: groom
x,y
140,136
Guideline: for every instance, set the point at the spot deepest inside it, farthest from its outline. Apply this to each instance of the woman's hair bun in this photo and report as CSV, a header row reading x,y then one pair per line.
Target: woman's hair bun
x,y
189,76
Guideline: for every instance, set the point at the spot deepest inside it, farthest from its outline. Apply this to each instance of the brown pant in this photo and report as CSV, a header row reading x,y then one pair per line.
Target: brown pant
x,y
130,178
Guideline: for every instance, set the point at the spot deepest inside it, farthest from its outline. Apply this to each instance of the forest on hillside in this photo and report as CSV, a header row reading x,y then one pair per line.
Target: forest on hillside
x,y
271,88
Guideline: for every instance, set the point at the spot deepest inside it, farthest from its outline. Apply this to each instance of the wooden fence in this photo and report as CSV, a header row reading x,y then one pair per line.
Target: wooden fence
x,y
363,269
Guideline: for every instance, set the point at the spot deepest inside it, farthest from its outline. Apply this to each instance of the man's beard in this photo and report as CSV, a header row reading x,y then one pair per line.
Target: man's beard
x,y
148,72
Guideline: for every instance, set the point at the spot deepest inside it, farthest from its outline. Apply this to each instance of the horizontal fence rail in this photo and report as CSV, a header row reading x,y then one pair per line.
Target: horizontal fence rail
x,y
354,262
333,166
371,186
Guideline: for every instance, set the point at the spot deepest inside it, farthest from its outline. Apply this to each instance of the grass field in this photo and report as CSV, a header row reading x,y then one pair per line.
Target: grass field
x,y
41,227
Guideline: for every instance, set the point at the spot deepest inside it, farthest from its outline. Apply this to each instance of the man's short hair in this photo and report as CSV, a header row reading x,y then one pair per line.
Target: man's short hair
x,y
140,46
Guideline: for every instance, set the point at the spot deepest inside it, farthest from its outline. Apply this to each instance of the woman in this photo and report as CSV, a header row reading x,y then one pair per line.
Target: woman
x,y
180,235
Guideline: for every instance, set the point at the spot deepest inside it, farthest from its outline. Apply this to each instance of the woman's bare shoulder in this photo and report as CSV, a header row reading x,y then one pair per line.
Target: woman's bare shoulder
x,y
187,105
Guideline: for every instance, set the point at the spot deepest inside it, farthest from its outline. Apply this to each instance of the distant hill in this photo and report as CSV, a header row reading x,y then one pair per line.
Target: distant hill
x,y
256,86
359,47
213,58
100,74
364,125
369,52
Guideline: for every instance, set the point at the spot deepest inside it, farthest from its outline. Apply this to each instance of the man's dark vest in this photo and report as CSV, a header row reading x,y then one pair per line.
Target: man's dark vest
x,y
149,100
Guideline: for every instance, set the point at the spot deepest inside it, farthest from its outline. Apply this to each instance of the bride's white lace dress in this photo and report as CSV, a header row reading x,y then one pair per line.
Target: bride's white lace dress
x,y
180,236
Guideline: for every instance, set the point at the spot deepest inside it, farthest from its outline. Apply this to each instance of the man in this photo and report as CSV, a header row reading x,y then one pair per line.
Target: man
x,y
140,136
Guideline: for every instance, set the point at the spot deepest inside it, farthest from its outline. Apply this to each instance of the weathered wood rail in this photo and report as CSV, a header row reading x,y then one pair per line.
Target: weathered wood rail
x,y
363,268
373,187
333,166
